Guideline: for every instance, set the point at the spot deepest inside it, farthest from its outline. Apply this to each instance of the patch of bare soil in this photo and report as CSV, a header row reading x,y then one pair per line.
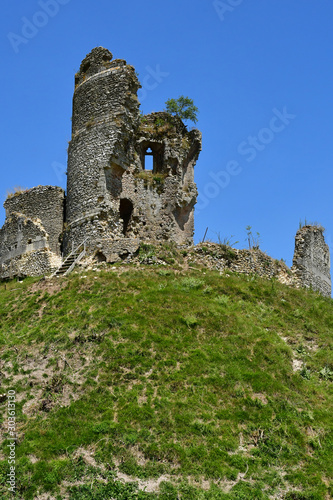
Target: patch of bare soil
x,y
49,285
53,380
260,396
45,496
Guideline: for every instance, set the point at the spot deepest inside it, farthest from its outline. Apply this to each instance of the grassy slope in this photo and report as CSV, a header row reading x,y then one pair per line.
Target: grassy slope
x,y
179,379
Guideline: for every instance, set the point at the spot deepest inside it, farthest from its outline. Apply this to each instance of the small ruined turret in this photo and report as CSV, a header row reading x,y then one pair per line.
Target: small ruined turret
x,y
30,239
311,263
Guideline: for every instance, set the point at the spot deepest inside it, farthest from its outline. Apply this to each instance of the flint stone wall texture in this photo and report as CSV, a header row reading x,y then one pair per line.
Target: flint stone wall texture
x,y
21,234
45,203
115,251
311,262
24,249
257,262
30,237
110,195
32,263
249,262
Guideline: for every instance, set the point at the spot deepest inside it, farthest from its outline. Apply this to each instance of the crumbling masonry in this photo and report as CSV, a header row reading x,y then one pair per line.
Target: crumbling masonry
x,y
111,195
311,262
130,179
30,240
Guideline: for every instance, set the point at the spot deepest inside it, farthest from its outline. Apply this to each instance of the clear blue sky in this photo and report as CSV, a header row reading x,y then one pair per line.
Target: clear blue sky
x,y
245,63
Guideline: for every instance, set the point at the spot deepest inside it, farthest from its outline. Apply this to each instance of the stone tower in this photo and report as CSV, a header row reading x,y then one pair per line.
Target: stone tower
x,y
113,195
311,262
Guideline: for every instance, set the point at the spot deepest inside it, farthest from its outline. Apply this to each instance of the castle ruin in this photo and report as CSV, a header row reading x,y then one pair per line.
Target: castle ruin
x,y
130,178
112,195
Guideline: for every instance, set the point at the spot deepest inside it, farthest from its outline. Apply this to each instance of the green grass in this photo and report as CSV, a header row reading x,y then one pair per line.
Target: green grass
x,y
182,379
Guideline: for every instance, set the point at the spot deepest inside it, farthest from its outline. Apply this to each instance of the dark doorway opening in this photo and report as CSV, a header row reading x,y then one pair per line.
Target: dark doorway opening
x,y
100,257
125,210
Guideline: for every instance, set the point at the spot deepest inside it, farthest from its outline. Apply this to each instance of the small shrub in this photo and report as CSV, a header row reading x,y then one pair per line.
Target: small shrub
x,y
16,191
253,241
228,253
308,223
164,272
151,178
190,321
223,300
326,373
301,350
146,251
183,108
305,373
159,122
191,283
226,241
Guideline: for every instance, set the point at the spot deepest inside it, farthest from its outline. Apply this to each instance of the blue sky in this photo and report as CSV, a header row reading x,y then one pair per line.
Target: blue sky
x,y
260,72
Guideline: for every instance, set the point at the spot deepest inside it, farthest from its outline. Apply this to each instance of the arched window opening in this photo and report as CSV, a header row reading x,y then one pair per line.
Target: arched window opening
x,y
152,156
149,159
125,212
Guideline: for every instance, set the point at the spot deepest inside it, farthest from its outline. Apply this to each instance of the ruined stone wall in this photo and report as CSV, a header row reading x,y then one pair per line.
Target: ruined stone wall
x,y
163,199
34,263
30,237
20,234
24,248
45,203
311,262
261,264
110,194
249,262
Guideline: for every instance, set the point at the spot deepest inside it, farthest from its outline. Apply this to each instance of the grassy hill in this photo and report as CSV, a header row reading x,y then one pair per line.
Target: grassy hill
x,y
155,382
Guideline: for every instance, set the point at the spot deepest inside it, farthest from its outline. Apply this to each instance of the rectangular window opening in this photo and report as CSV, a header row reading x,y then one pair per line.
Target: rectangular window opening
x,y
149,161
